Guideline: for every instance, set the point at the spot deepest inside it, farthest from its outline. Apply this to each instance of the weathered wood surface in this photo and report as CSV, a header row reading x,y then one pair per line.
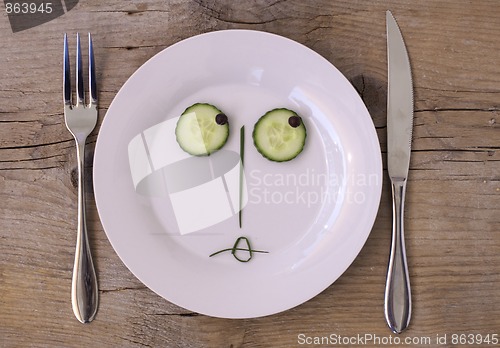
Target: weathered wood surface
x,y
453,199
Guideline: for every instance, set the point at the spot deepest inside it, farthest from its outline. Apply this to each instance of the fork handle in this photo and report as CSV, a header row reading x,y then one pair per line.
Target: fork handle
x,y
397,304
84,290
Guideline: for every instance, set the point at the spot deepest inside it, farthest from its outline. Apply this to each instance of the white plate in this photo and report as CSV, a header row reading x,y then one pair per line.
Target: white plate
x,y
312,214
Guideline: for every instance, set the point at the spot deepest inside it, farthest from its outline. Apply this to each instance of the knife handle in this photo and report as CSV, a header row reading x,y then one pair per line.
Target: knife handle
x,y
397,304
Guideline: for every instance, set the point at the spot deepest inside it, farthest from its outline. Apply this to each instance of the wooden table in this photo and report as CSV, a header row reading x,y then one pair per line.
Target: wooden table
x,y
453,198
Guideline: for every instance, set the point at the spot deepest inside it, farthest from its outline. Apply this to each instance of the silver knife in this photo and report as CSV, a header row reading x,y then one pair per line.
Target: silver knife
x,y
397,305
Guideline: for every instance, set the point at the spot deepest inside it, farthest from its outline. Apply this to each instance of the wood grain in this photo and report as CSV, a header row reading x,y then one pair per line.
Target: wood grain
x,y
453,199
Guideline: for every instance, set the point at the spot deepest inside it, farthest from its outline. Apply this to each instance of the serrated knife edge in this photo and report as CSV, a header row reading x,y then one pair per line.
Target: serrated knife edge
x,y
399,101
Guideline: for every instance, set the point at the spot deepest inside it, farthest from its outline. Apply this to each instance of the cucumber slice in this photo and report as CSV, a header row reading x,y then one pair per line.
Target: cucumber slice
x,y
202,129
279,135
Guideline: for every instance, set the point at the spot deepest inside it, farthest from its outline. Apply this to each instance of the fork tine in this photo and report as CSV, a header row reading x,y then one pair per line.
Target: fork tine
x,y
80,121
66,74
80,93
92,81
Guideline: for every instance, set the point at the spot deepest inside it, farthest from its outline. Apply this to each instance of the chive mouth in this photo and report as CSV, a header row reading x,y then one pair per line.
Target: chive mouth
x,y
221,119
235,249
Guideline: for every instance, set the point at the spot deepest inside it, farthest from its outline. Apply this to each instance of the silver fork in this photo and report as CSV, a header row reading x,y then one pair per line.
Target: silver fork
x,y
80,120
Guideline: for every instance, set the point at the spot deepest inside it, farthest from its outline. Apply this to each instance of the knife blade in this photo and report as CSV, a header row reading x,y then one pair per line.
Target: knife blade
x,y
397,302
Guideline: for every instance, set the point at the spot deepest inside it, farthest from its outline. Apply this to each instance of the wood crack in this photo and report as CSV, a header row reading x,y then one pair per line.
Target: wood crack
x,y
18,121
27,168
131,12
32,159
479,149
463,161
493,109
188,314
432,137
234,21
128,48
274,4
213,13
136,342
319,27
458,90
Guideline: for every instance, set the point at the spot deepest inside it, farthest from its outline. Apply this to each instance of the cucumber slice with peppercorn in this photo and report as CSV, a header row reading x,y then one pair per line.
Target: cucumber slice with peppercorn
x,y
280,135
202,129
